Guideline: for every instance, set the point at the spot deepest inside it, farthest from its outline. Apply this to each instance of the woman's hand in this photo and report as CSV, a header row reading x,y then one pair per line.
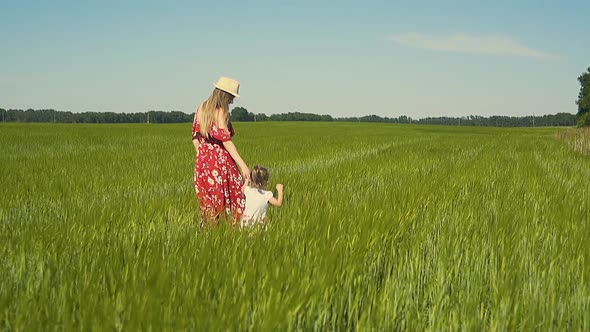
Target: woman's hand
x,y
245,172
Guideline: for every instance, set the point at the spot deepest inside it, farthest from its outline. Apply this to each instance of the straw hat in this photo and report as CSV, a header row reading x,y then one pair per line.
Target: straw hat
x,y
228,85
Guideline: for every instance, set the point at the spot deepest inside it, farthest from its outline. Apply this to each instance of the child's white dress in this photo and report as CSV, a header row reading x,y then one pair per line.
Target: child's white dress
x,y
256,206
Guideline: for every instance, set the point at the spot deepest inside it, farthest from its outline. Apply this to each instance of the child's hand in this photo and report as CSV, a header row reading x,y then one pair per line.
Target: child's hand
x,y
279,187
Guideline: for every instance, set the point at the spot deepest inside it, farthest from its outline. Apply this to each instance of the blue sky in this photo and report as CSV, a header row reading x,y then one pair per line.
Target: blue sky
x,y
344,58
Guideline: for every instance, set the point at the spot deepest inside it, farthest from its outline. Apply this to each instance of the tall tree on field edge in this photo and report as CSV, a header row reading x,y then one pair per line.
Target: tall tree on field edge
x,y
583,101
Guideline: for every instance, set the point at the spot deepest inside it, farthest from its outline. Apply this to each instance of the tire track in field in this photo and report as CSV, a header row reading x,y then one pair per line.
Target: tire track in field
x,y
307,165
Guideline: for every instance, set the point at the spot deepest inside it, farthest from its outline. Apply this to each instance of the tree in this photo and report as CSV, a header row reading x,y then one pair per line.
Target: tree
x,y
241,114
584,96
584,120
261,117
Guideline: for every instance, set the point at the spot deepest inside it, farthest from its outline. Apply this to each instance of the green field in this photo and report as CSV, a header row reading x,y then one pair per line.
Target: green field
x,y
384,227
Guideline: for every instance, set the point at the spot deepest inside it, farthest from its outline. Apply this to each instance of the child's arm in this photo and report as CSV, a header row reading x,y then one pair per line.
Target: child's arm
x,y
277,201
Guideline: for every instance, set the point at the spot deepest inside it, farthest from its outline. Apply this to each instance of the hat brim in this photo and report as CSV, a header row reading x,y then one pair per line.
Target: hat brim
x,y
222,89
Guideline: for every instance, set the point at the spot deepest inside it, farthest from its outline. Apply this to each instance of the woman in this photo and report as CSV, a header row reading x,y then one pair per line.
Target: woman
x,y
217,178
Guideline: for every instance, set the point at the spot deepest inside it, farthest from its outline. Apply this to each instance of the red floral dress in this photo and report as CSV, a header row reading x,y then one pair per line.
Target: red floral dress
x,y
217,179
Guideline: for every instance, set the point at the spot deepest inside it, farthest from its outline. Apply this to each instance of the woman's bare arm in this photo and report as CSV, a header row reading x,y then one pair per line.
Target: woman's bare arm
x,y
196,140
233,151
231,147
196,144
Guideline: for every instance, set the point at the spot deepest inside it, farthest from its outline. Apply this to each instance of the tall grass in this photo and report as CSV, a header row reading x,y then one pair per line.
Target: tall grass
x,y
384,227
577,138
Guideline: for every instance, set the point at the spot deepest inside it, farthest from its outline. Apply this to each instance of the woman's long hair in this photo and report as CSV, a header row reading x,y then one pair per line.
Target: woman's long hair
x,y
219,99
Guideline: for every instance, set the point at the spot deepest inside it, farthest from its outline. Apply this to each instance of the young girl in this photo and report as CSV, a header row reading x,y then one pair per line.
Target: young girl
x,y
257,198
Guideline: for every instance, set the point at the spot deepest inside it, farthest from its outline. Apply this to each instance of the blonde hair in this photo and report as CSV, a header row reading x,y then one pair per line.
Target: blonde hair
x,y
219,99
259,177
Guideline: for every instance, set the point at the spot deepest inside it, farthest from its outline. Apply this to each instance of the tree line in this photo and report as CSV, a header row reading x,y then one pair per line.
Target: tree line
x,y
553,120
51,115
239,114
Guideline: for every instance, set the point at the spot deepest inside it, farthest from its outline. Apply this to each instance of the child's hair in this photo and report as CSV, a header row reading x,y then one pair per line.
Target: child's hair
x,y
259,177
